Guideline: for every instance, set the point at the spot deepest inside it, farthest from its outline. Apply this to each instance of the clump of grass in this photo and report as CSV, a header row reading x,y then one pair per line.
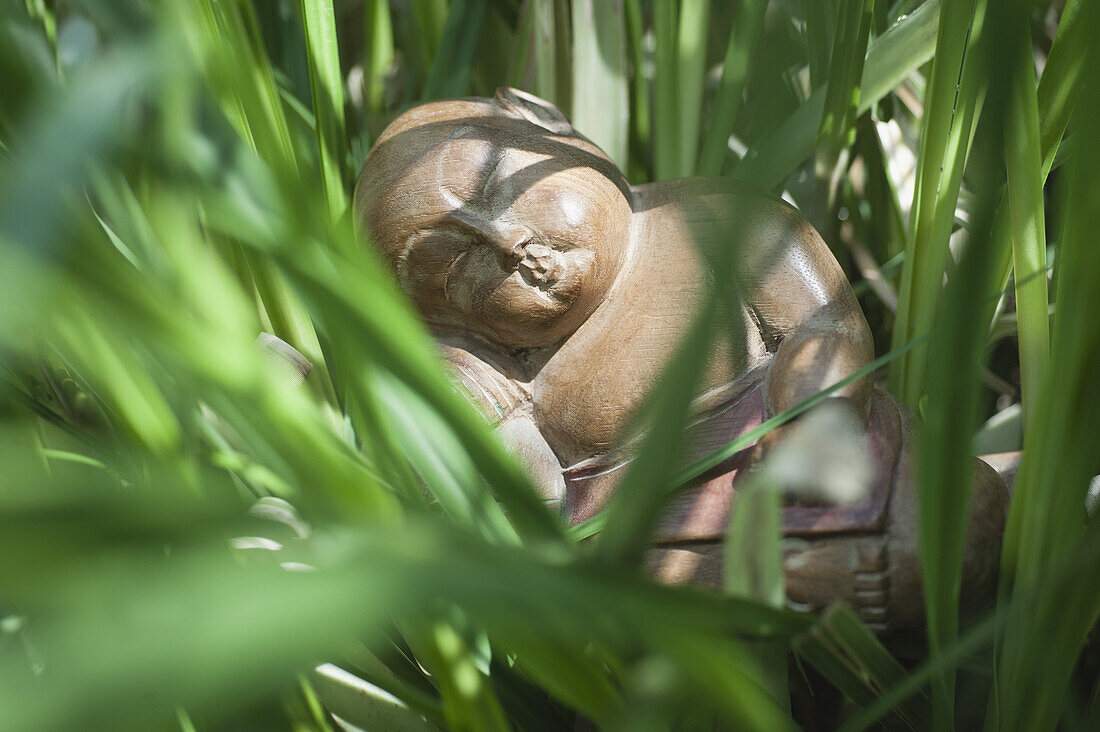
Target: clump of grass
x,y
175,179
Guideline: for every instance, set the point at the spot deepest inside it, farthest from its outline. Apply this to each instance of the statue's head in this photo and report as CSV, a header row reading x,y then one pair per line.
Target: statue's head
x,y
499,219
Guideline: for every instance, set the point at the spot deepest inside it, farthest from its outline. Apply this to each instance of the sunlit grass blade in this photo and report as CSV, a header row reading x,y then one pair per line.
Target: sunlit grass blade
x,y
735,74
691,53
837,132
601,100
226,43
752,567
1023,161
890,58
378,53
437,455
1046,527
1057,93
361,703
666,99
945,467
1061,81
950,116
469,701
327,85
240,73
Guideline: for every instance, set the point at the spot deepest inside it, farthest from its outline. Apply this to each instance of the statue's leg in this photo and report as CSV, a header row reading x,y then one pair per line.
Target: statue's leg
x,y
866,555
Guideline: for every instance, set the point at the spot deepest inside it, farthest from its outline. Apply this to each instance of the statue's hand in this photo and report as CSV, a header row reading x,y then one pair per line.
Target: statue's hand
x,y
507,407
813,359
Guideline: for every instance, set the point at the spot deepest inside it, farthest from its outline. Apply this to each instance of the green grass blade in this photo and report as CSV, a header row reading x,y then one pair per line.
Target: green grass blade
x,y
364,311
1045,527
545,32
601,99
1058,90
735,74
944,463
534,63
1060,83
1023,162
327,85
691,56
818,17
452,63
950,117
226,45
637,502
752,567
430,18
567,671
1047,635
640,118
378,53
850,656
521,68
837,132
437,456
910,685
666,100
469,701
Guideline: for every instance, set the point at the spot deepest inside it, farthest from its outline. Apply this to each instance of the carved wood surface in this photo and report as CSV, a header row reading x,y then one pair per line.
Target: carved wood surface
x,y
558,292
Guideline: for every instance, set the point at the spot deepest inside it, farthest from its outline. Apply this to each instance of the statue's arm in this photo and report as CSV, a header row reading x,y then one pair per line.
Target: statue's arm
x,y
508,409
805,309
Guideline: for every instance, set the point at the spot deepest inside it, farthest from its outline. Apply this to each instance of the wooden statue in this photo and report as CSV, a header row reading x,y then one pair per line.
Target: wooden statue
x,y
558,291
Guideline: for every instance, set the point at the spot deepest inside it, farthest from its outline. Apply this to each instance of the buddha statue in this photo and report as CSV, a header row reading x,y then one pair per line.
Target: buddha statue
x,y
558,291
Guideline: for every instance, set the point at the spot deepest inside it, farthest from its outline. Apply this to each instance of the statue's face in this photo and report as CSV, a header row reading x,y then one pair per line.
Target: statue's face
x,y
517,244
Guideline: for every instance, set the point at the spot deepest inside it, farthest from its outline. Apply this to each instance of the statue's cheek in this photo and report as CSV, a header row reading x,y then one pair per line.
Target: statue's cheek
x,y
575,273
472,278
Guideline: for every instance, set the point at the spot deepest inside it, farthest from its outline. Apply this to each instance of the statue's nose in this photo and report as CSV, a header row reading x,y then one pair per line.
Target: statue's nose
x,y
508,244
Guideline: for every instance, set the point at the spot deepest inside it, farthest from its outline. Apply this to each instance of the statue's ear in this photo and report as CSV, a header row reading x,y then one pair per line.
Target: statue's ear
x,y
520,104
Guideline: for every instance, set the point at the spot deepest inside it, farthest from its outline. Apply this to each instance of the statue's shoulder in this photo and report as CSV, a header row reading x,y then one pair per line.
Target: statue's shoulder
x,y
689,191
710,212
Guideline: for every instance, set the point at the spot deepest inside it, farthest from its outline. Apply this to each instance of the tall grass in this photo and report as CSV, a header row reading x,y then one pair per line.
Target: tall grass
x,y
186,532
